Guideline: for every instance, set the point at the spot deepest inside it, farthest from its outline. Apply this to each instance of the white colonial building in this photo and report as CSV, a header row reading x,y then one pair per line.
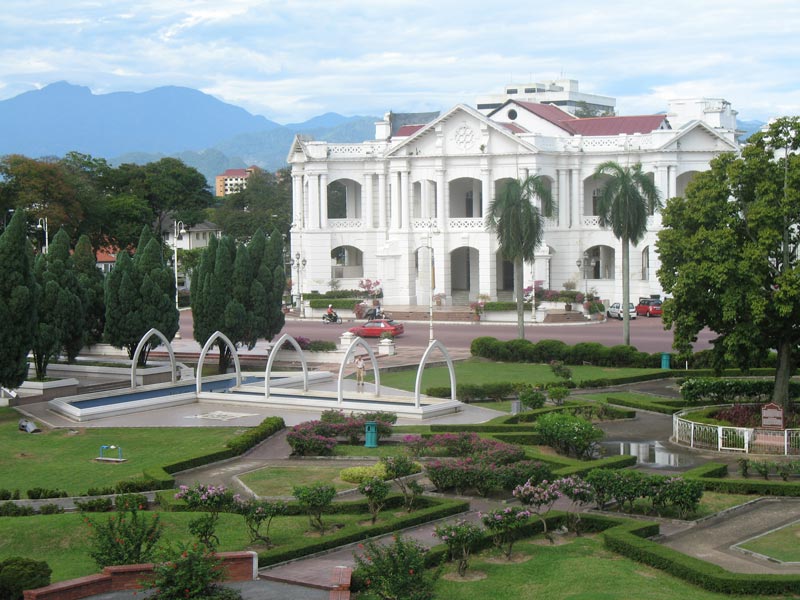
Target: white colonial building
x,y
417,195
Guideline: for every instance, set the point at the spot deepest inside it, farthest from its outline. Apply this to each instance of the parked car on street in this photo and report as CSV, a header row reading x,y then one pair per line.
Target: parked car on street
x,y
376,327
648,307
615,311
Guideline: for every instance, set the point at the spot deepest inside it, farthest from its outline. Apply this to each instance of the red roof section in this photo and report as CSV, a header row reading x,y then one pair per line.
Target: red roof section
x,y
617,125
105,255
236,173
407,130
594,126
513,127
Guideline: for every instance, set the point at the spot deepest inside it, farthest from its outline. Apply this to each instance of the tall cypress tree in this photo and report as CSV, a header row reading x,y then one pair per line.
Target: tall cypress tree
x,y
60,326
139,295
17,302
90,282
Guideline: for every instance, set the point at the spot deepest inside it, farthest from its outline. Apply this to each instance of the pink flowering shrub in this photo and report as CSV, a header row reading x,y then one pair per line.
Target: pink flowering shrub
x,y
540,497
504,524
485,477
461,538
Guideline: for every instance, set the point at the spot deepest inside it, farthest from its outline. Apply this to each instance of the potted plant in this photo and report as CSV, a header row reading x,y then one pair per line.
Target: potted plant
x,y
372,288
439,298
477,309
386,347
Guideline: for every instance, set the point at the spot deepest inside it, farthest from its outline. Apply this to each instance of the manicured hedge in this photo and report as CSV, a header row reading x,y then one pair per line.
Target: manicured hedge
x,y
724,391
437,509
667,407
502,306
713,477
338,303
629,540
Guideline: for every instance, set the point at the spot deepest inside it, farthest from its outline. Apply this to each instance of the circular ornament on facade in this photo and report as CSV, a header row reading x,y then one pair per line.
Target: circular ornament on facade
x,y
464,137
512,114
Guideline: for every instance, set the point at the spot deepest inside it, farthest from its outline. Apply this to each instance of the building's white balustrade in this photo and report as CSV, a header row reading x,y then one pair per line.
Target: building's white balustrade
x,y
423,224
466,224
345,223
610,143
591,221
551,223
344,272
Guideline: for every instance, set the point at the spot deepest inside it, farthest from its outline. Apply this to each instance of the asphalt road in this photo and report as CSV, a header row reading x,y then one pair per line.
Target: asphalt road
x,y
647,335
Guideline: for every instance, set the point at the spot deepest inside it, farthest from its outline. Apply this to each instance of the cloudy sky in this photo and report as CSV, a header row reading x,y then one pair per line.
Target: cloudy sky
x,y
293,59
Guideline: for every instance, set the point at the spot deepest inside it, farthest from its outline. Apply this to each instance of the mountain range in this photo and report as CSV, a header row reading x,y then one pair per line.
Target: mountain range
x,y
197,128
204,132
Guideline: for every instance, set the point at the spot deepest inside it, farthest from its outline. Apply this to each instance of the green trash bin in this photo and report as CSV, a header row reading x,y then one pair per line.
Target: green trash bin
x,y
665,358
371,434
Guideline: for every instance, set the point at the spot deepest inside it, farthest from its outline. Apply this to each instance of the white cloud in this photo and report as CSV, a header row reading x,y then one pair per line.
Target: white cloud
x,y
292,60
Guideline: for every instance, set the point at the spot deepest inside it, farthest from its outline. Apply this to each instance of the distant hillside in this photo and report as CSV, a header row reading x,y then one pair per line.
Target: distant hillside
x,y
203,132
62,117
749,128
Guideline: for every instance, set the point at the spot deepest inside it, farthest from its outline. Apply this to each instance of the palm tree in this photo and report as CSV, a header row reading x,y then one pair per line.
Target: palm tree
x,y
519,226
626,198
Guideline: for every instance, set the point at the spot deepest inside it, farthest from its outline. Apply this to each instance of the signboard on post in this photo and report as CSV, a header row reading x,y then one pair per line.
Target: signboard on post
x,y
772,416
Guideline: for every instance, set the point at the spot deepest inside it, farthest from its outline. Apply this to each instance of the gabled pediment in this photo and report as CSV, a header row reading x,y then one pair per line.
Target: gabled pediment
x,y
461,130
297,151
696,136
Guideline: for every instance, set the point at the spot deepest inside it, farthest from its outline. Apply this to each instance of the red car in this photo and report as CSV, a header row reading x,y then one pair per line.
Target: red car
x,y
648,307
376,327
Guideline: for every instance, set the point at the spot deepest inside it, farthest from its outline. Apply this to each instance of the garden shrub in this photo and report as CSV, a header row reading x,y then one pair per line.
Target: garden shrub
x,y
305,440
18,573
626,486
192,572
11,509
532,398
375,490
141,484
9,495
568,434
315,500
51,509
210,500
358,474
258,516
102,491
321,346
460,538
395,571
504,525
255,435
39,493
125,538
398,469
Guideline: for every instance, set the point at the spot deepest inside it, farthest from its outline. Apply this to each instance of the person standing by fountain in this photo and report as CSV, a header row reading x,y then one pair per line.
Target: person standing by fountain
x,y
359,371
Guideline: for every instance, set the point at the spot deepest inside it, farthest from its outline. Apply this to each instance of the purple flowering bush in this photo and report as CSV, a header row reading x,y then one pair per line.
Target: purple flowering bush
x,y
211,500
461,538
503,525
540,498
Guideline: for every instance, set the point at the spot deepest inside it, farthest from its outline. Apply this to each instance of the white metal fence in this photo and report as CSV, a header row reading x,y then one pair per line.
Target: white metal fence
x,y
734,439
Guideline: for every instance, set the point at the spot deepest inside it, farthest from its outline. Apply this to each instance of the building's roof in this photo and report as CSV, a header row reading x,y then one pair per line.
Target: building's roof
x,y
236,173
514,128
593,126
106,255
400,120
407,130
617,125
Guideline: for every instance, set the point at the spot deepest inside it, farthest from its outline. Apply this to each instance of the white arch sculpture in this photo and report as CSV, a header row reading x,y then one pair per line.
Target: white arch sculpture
x,y
428,350
374,361
211,340
146,338
275,348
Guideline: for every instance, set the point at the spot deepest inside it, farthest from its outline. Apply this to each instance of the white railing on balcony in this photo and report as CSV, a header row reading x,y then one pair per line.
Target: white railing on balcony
x,y
423,224
347,150
734,439
466,224
343,272
590,221
345,223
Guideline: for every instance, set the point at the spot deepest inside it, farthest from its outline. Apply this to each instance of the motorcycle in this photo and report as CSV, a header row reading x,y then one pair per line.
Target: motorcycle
x,y
332,318
374,313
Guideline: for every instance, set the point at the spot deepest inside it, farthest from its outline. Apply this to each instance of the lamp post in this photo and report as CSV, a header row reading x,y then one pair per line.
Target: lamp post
x,y
300,264
432,281
42,226
178,234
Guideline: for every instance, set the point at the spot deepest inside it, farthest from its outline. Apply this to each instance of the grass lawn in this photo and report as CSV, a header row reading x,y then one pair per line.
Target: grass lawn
x,y
502,406
360,450
279,481
581,569
781,544
64,460
63,540
478,371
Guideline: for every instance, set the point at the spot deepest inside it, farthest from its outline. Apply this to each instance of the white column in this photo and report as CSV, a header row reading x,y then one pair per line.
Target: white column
x,y
486,189
366,202
441,195
672,181
425,198
381,200
297,200
405,200
313,201
574,195
395,193
563,198
323,200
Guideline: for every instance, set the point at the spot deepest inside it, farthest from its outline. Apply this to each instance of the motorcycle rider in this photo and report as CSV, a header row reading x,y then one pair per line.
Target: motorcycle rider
x,y
331,315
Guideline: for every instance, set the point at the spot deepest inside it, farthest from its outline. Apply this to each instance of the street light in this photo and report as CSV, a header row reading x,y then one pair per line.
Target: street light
x,y
180,229
300,264
432,282
42,226
587,262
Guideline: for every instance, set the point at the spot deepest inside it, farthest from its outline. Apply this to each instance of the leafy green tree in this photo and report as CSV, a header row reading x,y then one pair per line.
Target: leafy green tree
x,y
729,255
17,302
519,226
626,198
60,306
174,190
140,294
90,283
266,204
